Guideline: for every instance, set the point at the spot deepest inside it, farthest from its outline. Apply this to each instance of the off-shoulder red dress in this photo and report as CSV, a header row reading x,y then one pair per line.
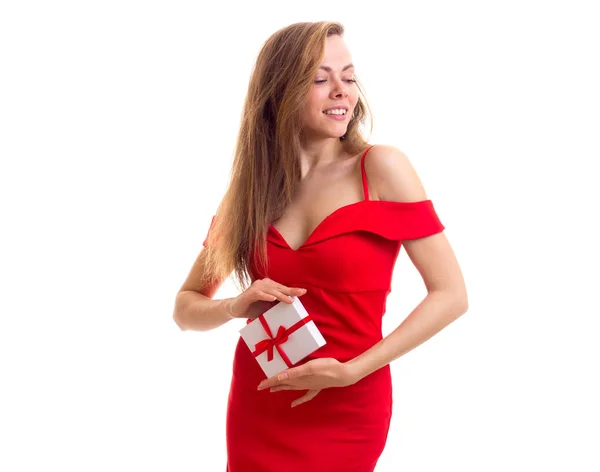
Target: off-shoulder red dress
x,y
346,266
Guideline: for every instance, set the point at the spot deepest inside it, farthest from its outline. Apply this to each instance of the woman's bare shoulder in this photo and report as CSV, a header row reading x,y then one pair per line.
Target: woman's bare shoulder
x,y
392,175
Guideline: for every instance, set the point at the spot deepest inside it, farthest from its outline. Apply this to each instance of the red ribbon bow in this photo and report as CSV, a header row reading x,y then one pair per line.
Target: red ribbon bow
x,y
275,342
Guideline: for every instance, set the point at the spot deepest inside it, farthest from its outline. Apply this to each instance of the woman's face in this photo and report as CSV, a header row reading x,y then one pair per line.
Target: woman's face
x,y
333,88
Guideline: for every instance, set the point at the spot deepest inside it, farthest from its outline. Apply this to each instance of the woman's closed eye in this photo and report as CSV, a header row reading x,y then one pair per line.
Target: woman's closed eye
x,y
325,80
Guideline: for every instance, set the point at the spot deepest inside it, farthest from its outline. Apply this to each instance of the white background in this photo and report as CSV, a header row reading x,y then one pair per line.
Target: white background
x,y
117,128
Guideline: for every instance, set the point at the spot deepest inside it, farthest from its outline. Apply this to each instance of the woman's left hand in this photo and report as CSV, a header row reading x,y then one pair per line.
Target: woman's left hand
x,y
315,375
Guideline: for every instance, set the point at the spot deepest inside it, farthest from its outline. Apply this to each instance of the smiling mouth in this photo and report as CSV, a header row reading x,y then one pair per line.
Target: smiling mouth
x,y
342,112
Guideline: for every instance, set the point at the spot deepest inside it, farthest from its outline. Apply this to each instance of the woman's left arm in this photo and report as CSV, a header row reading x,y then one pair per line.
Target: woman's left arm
x,y
394,178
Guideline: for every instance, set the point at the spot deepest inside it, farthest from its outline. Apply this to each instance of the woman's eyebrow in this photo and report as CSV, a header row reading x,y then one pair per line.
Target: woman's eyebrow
x,y
328,69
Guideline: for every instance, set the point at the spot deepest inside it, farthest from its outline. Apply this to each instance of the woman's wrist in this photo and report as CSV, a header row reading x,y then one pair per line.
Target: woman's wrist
x,y
354,371
228,308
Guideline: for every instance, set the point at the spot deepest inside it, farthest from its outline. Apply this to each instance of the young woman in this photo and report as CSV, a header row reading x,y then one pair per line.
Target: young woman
x,y
314,211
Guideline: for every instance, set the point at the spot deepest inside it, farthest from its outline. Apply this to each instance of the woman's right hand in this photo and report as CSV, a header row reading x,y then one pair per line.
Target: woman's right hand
x,y
260,296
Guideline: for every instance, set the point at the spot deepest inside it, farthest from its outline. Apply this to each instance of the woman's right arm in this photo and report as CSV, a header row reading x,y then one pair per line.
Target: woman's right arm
x,y
196,310
194,307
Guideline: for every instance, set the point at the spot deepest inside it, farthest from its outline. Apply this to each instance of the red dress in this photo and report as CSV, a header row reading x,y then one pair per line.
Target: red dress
x,y
346,266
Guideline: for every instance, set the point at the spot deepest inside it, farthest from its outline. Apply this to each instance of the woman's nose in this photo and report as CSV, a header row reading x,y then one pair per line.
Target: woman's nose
x,y
340,89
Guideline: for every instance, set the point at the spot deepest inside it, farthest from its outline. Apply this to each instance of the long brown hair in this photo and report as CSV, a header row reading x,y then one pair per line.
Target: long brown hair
x,y
266,168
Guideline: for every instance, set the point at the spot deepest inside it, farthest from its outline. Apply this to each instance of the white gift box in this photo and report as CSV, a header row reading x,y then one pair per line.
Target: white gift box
x,y
272,350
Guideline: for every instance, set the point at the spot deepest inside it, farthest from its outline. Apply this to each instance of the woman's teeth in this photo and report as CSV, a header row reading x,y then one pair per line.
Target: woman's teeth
x,y
335,112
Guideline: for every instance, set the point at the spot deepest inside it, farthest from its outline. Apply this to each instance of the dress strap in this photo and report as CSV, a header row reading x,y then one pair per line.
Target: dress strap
x,y
364,174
